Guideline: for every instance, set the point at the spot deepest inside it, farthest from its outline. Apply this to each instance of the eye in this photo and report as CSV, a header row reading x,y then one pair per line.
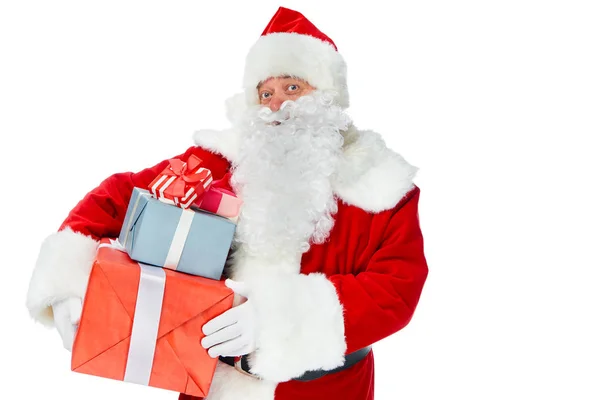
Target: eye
x,y
265,95
293,87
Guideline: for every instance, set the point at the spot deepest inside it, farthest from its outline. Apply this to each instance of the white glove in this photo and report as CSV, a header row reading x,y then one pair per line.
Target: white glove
x,y
232,333
67,314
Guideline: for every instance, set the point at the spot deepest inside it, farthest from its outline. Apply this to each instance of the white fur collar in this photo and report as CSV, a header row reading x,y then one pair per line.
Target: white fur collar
x,y
370,176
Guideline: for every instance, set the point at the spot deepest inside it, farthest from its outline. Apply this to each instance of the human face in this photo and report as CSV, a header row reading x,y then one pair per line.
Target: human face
x,y
274,91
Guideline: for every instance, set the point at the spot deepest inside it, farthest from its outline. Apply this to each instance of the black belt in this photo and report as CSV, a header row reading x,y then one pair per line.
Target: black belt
x,y
351,359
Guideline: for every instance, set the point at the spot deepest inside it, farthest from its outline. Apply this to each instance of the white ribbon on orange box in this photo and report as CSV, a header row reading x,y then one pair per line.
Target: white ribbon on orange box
x,y
146,321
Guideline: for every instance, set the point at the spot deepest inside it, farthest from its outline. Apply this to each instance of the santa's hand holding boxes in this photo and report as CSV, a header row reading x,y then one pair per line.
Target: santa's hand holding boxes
x,y
149,294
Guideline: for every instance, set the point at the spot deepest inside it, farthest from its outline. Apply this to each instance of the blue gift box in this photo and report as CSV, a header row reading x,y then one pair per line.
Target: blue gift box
x,y
191,241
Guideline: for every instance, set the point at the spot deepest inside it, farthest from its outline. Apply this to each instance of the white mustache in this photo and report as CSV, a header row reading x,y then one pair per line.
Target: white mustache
x,y
269,116
317,107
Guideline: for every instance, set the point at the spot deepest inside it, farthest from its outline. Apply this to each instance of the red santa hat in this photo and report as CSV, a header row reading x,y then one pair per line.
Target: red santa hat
x,y
292,45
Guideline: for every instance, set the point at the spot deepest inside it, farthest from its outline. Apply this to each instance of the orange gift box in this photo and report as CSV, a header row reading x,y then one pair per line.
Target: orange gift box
x,y
143,324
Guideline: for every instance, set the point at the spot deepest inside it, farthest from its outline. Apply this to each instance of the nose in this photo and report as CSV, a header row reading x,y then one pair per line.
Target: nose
x,y
276,102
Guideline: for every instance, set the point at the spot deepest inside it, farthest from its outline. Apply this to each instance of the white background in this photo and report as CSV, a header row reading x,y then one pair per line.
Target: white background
x,y
498,103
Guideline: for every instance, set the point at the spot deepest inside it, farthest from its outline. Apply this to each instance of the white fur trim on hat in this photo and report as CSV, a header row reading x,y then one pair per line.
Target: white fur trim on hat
x,y
301,56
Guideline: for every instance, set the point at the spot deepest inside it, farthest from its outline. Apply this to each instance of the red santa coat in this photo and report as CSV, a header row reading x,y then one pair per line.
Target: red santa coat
x,y
357,288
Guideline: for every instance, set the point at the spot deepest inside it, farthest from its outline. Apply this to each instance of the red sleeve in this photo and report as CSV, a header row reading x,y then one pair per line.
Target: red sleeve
x,y
382,299
102,211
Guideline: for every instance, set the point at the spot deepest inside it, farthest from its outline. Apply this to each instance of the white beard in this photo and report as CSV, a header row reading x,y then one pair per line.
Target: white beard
x,y
283,175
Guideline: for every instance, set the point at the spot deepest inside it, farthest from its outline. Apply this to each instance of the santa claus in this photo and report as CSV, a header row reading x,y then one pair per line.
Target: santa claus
x,y
328,253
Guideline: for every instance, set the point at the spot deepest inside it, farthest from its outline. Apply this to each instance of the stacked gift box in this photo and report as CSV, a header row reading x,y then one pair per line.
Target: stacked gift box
x,y
151,290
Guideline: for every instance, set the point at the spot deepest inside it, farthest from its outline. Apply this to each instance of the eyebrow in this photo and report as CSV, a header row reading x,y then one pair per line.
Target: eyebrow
x,y
280,76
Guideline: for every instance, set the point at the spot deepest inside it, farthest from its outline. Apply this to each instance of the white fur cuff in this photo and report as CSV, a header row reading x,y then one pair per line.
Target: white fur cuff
x,y
62,270
300,326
